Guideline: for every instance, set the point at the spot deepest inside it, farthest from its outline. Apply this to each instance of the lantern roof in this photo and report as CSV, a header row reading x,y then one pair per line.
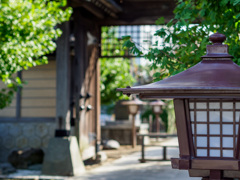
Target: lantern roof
x,y
216,76
135,101
157,103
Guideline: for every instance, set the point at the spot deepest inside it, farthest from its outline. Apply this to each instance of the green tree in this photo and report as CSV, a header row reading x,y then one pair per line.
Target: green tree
x,y
115,72
186,35
27,33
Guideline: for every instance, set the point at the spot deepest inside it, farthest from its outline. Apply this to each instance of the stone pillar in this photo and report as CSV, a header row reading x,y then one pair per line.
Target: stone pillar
x,y
63,158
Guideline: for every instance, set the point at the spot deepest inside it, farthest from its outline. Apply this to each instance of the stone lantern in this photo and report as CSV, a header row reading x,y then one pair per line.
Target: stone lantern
x,y
133,108
157,110
207,108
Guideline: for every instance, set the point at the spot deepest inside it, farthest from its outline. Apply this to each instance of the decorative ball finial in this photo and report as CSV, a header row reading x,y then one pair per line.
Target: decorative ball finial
x,y
217,38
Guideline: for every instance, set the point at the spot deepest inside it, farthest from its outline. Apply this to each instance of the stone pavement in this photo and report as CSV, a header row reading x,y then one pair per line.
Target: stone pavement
x,y
125,168
129,168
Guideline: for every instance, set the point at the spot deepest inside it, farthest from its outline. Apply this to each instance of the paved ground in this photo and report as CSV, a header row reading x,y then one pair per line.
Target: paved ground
x,y
129,168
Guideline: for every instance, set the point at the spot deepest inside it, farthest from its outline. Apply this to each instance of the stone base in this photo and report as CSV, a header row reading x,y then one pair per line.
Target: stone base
x,y
122,132
63,158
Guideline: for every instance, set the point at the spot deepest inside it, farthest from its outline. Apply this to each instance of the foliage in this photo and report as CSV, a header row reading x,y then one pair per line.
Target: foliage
x,y
115,72
186,35
27,33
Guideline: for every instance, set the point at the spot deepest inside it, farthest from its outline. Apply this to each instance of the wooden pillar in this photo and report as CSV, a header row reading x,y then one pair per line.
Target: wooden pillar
x,y
134,137
62,156
79,70
63,79
183,134
98,100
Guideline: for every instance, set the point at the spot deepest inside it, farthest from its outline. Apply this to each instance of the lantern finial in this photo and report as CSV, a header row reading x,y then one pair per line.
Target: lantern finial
x,y
217,51
217,38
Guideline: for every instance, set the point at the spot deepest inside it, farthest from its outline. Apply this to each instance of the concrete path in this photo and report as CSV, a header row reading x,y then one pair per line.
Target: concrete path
x,y
129,168
125,168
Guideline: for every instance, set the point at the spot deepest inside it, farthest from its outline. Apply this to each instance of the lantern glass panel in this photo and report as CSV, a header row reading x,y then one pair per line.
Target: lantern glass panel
x,y
201,116
214,153
227,116
214,129
202,152
214,105
227,105
157,109
201,105
238,105
214,126
214,142
133,109
227,153
237,114
202,141
214,116
227,142
191,105
201,129
227,129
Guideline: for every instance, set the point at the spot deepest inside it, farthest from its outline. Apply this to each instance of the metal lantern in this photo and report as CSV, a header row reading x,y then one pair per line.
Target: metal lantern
x,y
133,108
207,108
157,110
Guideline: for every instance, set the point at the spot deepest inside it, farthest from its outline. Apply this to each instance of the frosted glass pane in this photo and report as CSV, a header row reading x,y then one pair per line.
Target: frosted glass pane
x,y
201,116
227,142
201,129
227,153
192,115
227,116
214,141
214,153
191,105
214,129
227,129
236,126
214,116
201,105
201,141
133,108
202,152
227,105
237,115
238,105
157,109
193,129
214,105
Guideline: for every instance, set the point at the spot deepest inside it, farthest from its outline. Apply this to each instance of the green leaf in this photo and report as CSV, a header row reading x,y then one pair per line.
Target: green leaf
x,y
160,21
236,2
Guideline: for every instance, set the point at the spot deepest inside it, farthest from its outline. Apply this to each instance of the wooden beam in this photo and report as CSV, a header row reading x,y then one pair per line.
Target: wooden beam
x,y
93,9
88,6
112,5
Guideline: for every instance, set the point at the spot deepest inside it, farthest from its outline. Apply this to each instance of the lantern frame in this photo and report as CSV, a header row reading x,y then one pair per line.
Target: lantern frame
x,y
215,78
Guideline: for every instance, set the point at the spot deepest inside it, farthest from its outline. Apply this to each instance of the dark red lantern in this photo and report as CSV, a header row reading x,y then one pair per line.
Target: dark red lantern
x,y
207,108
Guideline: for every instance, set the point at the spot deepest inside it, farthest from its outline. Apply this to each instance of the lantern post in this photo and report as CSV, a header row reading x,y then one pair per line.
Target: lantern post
x,y
207,109
157,110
